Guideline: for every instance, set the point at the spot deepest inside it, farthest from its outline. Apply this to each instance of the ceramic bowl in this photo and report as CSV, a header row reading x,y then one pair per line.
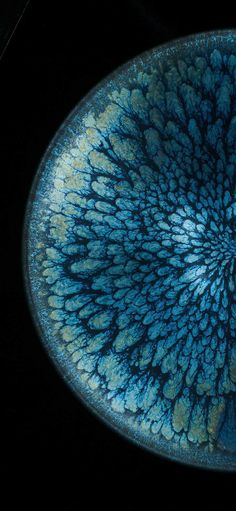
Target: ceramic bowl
x,y
130,246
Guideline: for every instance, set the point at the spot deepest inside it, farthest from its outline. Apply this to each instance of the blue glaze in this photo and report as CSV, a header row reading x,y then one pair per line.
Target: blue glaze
x,y
130,253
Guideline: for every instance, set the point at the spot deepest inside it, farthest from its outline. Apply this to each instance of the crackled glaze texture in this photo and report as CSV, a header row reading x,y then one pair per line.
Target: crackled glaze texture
x,y
131,250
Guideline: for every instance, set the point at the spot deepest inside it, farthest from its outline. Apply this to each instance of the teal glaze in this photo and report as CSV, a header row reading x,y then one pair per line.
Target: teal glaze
x,y
130,250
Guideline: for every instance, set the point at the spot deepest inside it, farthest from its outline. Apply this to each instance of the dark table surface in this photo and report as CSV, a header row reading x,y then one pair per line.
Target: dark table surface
x,y
57,53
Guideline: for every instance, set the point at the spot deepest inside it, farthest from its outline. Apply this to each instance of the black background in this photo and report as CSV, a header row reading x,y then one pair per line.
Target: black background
x,y
58,52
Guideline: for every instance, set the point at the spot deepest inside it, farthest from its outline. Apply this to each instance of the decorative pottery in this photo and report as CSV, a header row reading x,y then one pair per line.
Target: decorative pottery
x,y
130,247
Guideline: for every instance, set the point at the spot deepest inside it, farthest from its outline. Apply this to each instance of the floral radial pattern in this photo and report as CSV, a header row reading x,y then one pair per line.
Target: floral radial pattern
x,y
133,242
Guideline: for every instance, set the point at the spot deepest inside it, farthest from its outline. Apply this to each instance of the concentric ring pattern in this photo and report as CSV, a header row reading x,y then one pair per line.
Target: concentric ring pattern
x,y
131,246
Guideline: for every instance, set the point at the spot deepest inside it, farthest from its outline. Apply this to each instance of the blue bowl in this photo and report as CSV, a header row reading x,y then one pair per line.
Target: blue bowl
x,y
130,246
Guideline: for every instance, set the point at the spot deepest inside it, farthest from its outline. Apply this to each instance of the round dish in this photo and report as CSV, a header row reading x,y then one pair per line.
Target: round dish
x,y
129,250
